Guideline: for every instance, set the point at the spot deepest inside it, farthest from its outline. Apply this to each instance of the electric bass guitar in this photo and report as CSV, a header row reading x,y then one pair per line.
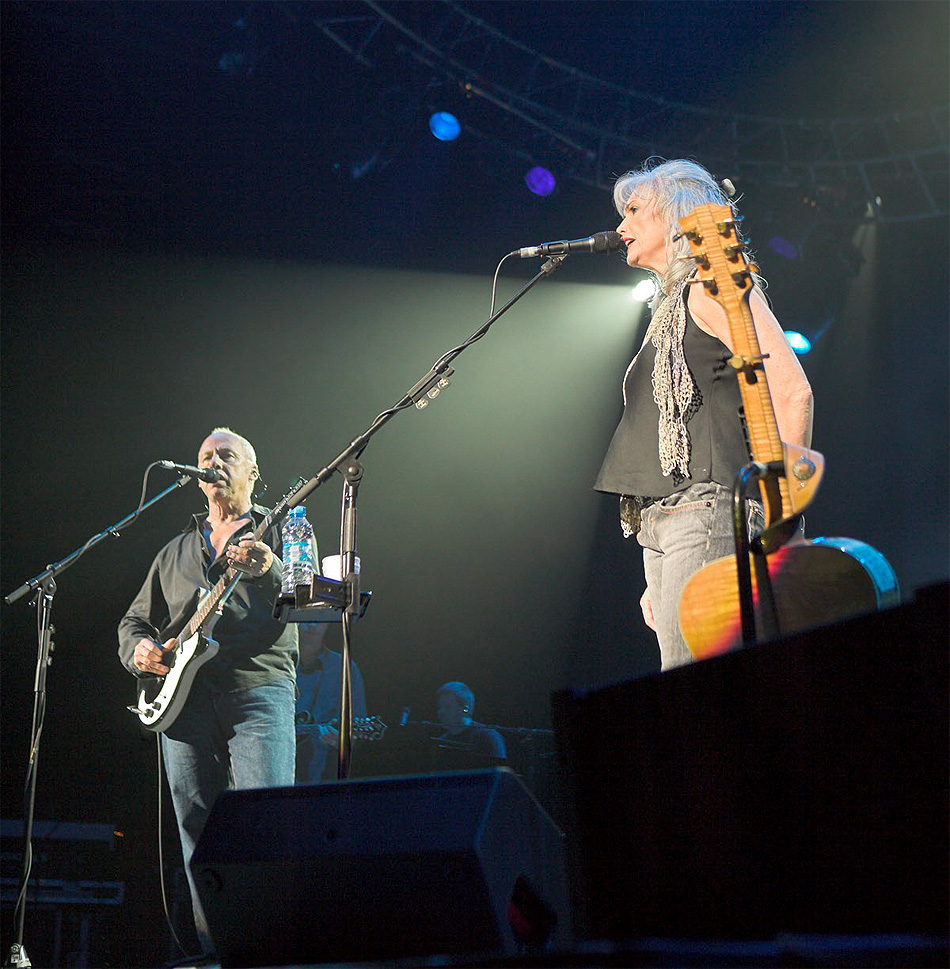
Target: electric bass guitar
x,y
161,698
815,582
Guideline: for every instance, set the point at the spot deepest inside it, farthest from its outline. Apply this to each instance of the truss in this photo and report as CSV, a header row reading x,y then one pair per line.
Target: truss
x,y
893,167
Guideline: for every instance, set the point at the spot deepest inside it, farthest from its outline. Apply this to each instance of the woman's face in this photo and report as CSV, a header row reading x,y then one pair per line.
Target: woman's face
x,y
644,233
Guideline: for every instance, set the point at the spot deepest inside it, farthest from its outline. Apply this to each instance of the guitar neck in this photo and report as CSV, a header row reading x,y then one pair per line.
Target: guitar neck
x,y
764,440
225,585
765,443
717,250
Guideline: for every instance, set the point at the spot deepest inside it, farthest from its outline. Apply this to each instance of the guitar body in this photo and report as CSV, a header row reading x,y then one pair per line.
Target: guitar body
x,y
814,583
161,698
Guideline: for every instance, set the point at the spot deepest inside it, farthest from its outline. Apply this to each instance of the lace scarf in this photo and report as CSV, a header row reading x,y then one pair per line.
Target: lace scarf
x,y
676,396
674,389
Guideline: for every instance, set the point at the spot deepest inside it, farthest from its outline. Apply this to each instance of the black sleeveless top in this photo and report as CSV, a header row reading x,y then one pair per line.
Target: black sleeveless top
x,y
718,445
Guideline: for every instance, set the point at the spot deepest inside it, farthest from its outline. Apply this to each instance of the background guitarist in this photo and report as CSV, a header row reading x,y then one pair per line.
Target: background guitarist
x,y
237,726
318,704
674,456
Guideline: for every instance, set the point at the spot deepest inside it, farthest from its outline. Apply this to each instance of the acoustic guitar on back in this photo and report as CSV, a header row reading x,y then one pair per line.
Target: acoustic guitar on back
x,y
813,582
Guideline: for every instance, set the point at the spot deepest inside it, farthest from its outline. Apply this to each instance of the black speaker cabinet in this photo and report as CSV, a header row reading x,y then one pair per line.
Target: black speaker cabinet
x,y
800,786
382,868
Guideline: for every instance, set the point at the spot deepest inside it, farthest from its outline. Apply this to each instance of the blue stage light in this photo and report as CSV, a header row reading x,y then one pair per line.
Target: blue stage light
x,y
798,342
782,247
540,181
444,126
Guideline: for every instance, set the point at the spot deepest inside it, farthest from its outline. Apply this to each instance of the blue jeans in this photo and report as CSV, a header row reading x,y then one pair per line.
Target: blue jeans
x,y
680,534
223,741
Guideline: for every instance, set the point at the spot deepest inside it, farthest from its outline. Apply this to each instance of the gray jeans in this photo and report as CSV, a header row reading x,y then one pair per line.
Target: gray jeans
x,y
680,534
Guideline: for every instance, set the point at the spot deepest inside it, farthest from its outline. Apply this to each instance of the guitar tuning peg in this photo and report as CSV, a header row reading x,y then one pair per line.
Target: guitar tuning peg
x,y
709,284
742,277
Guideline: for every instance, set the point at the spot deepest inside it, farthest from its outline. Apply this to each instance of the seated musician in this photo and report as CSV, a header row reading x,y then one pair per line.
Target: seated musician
x,y
463,742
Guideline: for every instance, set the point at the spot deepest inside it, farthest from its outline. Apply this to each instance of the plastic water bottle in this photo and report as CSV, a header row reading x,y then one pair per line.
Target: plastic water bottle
x,y
297,538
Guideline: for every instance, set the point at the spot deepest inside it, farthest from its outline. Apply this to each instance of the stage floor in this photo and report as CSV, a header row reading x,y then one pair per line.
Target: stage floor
x,y
861,952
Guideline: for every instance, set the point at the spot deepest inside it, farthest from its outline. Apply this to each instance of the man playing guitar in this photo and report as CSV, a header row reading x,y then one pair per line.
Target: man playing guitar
x,y
235,728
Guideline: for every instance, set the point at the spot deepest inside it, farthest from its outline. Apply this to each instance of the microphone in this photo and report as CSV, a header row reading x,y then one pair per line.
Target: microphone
x,y
598,242
204,474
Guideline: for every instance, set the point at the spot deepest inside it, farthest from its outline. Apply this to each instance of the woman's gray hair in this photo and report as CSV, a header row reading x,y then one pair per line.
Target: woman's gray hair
x,y
679,186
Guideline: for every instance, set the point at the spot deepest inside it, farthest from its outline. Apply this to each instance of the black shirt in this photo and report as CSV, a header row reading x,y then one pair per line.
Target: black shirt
x,y
475,746
255,648
718,446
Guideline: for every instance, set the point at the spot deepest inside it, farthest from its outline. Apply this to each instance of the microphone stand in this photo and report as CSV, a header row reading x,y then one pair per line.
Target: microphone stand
x,y
425,389
352,476
768,613
45,586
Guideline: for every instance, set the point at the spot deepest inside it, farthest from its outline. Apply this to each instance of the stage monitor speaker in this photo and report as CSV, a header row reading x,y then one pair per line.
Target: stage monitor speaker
x,y
800,786
382,868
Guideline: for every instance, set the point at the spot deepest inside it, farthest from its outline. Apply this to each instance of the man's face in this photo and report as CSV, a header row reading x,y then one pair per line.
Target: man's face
x,y
450,711
227,455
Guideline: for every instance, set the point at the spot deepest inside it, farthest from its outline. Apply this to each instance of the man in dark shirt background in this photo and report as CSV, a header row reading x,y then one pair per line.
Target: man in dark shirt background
x,y
318,704
464,743
236,729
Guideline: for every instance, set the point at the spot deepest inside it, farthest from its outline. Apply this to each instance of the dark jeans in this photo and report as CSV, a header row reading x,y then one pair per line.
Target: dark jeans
x,y
224,741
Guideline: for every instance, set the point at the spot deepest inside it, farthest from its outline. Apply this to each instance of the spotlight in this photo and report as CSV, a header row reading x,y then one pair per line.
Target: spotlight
x,y
798,342
540,181
644,291
444,126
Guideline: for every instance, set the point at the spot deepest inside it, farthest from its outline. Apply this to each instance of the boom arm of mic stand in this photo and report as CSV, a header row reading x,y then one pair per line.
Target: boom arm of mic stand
x,y
51,571
436,372
354,472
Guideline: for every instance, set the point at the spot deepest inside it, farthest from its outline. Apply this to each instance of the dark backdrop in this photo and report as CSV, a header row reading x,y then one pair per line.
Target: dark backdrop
x,y
183,249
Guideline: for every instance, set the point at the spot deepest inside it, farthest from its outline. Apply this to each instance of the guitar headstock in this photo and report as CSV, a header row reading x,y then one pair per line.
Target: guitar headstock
x,y
718,250
279,510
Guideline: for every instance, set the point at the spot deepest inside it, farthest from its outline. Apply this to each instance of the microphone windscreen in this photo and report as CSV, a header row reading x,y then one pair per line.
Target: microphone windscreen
x,y
607,241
